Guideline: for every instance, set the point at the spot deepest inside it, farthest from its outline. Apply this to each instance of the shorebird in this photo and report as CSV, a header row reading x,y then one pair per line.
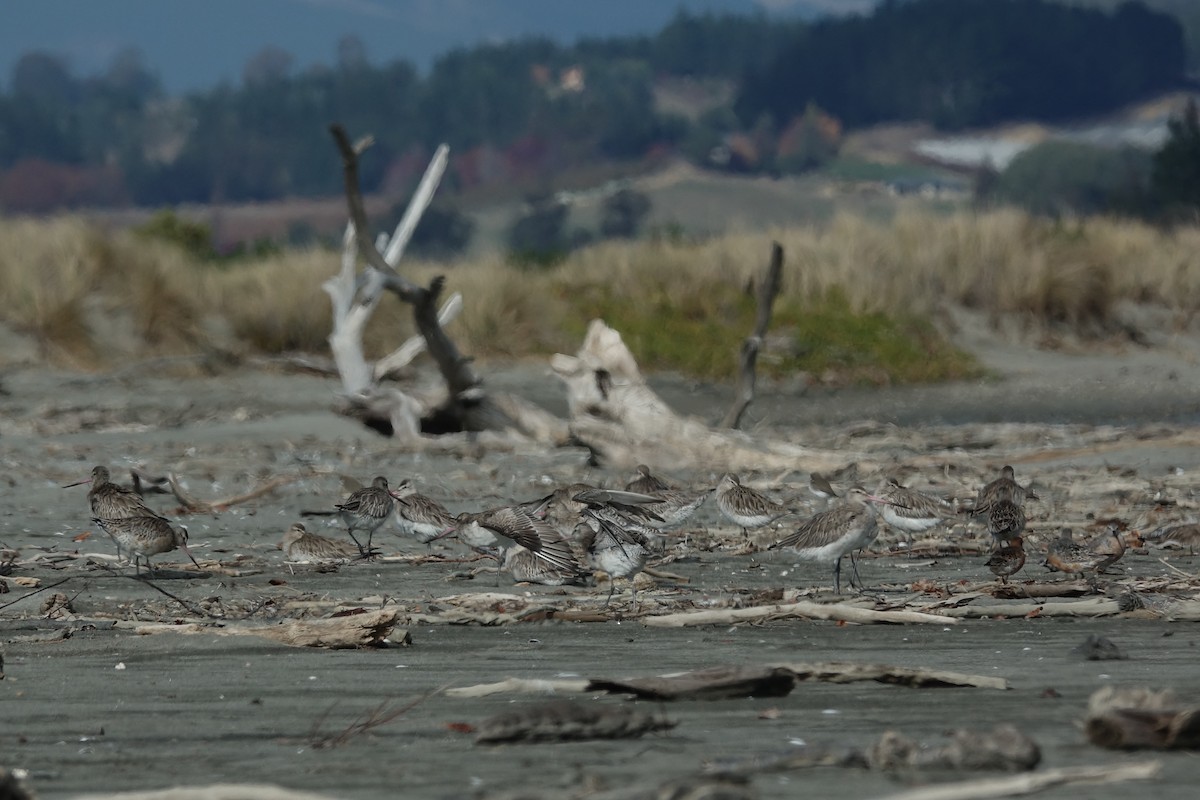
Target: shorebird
x,y
418,515
1003,488
112,501
144,537
745,507
366,509
525,567
619,552
1064,554
1109,546
1185,535
831,534
646,483
820,487
910,510
559,508
1005,521
301,546
672,507
1008,560
507,526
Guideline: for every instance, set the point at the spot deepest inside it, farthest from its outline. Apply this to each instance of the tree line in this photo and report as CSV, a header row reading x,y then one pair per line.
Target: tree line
x,y
516,112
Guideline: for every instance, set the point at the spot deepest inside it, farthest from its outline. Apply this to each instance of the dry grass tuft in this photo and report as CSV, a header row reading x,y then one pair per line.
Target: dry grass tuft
x,y
856,300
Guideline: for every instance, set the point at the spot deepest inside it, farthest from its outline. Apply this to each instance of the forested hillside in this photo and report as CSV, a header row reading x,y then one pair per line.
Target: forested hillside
x,y
773,96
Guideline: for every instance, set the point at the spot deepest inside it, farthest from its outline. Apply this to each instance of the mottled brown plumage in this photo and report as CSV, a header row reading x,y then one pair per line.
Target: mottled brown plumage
x,y
1108,547
418,515
619,551
144,537
525,567
507,526
1008,560
365,510
1064,554
646,483
1003,488
745,507
1005,520
298,544
673,507
820,487
831,534
109,500
910,510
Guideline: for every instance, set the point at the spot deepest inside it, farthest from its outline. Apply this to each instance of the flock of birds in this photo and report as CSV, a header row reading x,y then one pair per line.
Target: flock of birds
x,y
564,537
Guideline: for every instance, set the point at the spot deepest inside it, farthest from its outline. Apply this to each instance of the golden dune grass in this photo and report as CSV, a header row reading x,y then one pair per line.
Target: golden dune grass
x,y
674,299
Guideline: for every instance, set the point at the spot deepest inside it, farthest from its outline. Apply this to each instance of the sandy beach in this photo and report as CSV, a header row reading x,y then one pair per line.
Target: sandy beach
x,y
100,697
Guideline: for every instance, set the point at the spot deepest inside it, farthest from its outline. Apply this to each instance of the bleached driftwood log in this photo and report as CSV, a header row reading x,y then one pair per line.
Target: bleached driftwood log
x,y
346,632
1031,782
615,414
466,405
744,680
803,610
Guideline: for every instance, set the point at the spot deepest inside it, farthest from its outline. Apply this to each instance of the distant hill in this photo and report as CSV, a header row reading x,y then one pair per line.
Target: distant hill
x,y
195,44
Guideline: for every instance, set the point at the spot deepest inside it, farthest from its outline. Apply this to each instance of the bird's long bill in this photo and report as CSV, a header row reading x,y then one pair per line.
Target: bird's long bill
x,y
882,500
447,531
76,483
184,548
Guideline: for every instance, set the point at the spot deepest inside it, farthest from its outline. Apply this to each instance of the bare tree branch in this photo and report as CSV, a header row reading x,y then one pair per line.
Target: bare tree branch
x,y
467,400
767,291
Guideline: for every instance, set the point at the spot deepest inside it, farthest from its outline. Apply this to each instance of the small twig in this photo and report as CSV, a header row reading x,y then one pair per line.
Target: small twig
x,y
35,591
193,609
1176,569
377,717
767,292
193,505
265,602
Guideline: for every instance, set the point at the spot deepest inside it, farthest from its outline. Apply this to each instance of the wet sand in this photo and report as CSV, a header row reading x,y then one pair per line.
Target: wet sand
x,y
91,706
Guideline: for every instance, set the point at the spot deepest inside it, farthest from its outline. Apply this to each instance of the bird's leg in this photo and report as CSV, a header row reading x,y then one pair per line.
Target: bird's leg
x,y
357,543
854,579
837,576
612,584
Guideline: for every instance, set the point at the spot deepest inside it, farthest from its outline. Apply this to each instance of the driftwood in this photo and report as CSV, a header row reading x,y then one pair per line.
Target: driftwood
x,y
368,629
616,415
190,504
714,683
466,406
802,610
521,686
1031,783
723,681
1003,748
915,677
215,791
1137,719
567,721
1094,607
767,291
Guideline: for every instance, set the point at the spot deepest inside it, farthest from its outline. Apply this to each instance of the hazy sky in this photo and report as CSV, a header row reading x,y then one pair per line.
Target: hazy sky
x,y
197,43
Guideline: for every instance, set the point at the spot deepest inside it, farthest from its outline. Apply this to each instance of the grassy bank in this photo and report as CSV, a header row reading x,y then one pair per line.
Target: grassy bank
x,y
856,304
